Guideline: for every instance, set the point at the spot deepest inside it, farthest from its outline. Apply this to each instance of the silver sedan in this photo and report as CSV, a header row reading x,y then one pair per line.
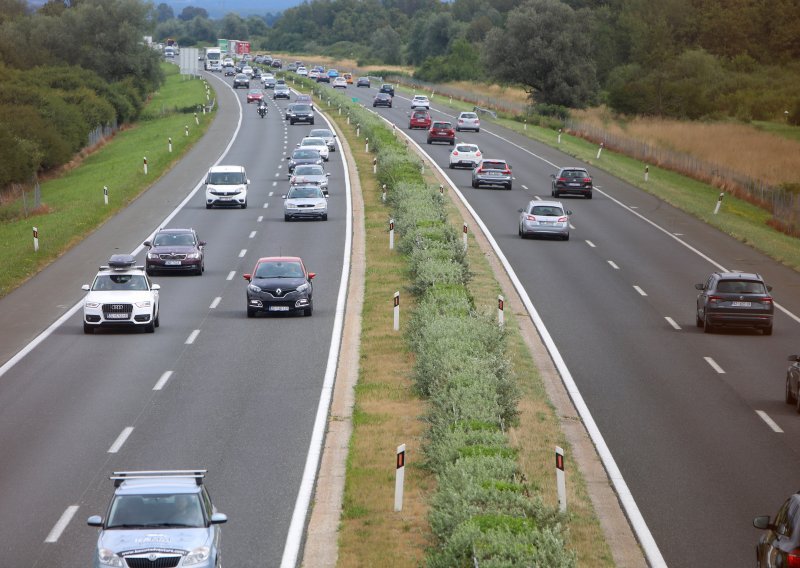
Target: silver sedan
x,y
310,174
305,202
546,218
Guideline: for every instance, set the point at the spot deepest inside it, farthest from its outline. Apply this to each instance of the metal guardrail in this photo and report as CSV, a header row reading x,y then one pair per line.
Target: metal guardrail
x,y
481,110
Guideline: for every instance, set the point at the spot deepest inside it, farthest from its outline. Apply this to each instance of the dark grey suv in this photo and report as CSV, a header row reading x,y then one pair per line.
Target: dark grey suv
x,y
571,181
734,299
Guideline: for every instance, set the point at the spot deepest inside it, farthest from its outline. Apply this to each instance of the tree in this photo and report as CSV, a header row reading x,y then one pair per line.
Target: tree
x,y
233,27
164,12
257,26
384,44
545,48
190,13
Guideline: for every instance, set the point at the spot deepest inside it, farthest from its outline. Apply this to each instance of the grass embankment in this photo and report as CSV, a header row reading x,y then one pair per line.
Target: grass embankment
x,y
72,203
389,412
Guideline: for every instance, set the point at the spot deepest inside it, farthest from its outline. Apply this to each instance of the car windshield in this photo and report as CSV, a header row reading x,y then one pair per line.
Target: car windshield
x,y
226,178
312,142
309,170
132,511
304,192
321,132
302,108
114,282
547,211
279,269
173,239
305,154
741,287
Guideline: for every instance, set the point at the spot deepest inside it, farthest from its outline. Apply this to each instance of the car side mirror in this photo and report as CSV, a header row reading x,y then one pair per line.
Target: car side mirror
x,y
247,277
95,521
325,195
201,243
85,287
699,287
218,518
248,182
156,287
769,288
520,210
553,176
327,174
147,244
569,212
762,522
311,275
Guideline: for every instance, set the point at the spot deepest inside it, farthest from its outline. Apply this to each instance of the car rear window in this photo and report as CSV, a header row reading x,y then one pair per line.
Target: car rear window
x,y
466,148
442,125
306,154
547,211
301,108
741,287
575,173
468,115
493,165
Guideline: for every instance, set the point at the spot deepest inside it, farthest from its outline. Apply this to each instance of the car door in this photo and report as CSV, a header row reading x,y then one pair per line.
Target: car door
x,y
702,297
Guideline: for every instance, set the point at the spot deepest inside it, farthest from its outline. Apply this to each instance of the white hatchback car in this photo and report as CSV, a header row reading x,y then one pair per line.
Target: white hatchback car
x,y
420,101
340,82
315,143
465,155
468,121
302,71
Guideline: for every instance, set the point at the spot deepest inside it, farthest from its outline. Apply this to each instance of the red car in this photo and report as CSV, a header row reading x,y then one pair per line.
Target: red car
x,y
254,96
442,132
420,119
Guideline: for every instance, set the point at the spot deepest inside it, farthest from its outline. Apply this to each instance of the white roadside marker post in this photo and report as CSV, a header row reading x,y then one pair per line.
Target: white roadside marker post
x,y
391,234
358,130
105,194
186,130
397,311
383,195
600,149
145,165
169,144
196,120
399,477
466,230
561,481
441,189
719,202
559,136
374,165
646,173
366,144
35,239
501,315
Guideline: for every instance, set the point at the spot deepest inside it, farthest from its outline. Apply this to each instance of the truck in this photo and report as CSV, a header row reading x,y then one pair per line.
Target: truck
x,y
213,61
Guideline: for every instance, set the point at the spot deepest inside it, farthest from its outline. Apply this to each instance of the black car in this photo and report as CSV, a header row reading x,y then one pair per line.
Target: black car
x,y
241,80
734,299
301,113
269,83
303,156
779,546
793,381
280,284
382,99
230,71
281,92
363,82
387,88
323,77
575,181
175,250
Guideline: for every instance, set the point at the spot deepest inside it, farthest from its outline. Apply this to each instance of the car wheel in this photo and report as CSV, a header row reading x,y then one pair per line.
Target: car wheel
x,y
150,327
308,311
287,218
324,217
312,123
477,130
565,237
429,140
208,206
452,142
474,184
244,205
788,397
519,231
458,129
588,196
251,313
199,271
157,321
707,327
697,321
508,187
451,166
768,330
88,329
555,193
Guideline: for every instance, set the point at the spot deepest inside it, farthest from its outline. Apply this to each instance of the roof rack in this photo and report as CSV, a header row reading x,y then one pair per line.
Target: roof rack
x,y
198,474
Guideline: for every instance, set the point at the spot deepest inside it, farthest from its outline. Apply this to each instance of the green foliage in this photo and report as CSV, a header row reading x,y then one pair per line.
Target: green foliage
x,y
794,114
461,63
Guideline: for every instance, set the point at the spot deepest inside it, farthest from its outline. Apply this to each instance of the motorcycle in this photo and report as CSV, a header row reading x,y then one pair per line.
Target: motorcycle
x,y
262,110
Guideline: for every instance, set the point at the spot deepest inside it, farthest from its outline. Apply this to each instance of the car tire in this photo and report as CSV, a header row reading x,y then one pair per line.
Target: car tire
x,y
788,397
150,327
244,205
565,237
697,321
312,123
768,330
157,321
519,231
458,129
308,311
251,313
88,329
429,141
452,142
287,218
474,184
588,196
324,217
707,327
199,271
208,206
508,187
451,166
477,130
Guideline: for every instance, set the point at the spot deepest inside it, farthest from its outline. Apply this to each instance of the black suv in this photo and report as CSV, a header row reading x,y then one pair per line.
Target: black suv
x,y
793,382
175,250
387,88
734,299
241,80
780,543
571,181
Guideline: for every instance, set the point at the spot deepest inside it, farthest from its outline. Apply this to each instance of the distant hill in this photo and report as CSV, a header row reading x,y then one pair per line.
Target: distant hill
x,y
218,8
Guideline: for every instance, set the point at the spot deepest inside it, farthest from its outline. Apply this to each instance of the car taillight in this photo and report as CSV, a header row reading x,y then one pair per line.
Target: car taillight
x,y
766,300
562,219
793,558
587,180
530,217
455,152
562,179
477,154
507,172
479,170
714,299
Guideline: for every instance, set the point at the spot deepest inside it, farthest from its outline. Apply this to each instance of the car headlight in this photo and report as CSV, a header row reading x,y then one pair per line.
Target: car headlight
x,y
92,305
108,558
144,304
254,288
321,205
196,556
193,255
152,255
303,287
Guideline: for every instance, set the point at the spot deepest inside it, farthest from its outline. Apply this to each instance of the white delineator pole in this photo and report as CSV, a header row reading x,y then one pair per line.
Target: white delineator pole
x,y
397,311
105,194
383,195
366,144
391,234
374,165
466,230
600,149
169,144
501,306
35,239
719,202
399,478
186,130
196,120
559,136
441,189
646,173
145,165
561,481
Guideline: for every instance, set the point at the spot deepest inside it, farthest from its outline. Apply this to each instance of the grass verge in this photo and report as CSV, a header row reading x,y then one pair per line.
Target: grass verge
x,y
73,204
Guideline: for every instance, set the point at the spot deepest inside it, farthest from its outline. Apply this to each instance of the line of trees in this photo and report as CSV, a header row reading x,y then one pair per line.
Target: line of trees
x,y
66,69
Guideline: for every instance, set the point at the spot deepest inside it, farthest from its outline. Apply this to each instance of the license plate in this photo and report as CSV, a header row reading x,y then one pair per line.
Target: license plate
x,y
574,185
493,174
225,198
740,304
173,262
279,308
547,222
117,316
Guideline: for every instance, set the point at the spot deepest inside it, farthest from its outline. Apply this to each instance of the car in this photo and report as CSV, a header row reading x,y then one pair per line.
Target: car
x,y
230,71
571,181
301,113
442,131
227,62
303,156
340,83
363,82
175,250
545,218
387,88
281,92
276,64
419,119
280,82
121,295
269,82
310,174
420,101
734,299
313,74
291,67
241,80
316,143
348,77
305,202
779,545
256,73
325,133
280,284
305,99
492,172
255,96
465,155
332,74
247,70
302,71
226,185
468,121
323,77
159,518
382,99
793,382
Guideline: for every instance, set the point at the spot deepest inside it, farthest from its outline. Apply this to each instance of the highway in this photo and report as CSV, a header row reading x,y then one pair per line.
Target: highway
x,y
695,422
210,389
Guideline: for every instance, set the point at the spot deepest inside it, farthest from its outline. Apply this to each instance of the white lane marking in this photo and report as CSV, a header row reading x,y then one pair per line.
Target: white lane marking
x,y
277,174
242,253
265,205
120,440
770,422
271,192
591,244
714,365
678,234
260,218
633,206
192,336
162,381
231,274
672,322
613,265
61,524
253,234
641,292
524,187
215,303
537,198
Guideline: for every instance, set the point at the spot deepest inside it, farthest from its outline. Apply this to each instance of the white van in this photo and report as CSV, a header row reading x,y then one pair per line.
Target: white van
x,y
226,186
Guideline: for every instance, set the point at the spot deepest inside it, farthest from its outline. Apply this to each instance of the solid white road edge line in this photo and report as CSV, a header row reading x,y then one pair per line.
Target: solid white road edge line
x,y
162,381
645,537
60,321
123,436
192,336
714,365
770,422
671,322
61,524
295,537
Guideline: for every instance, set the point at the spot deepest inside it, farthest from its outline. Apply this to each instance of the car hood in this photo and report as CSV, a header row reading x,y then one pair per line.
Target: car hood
x,y
119,296
304,201
153,540
176,249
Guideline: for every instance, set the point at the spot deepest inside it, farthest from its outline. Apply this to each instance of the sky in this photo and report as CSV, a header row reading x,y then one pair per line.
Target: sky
x,y
218,8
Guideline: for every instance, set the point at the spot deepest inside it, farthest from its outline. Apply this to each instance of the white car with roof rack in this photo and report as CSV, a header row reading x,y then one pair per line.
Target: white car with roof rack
x,y
121,295
161,518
